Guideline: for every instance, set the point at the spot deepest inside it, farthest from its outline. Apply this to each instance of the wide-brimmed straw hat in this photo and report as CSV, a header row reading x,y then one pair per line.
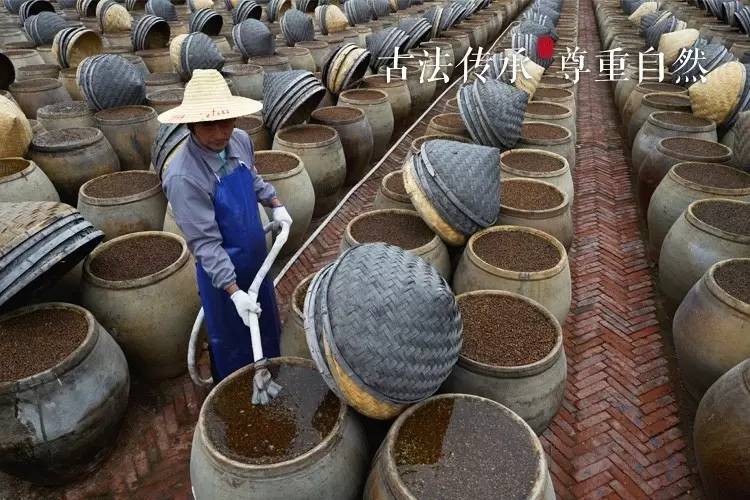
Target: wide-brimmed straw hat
x,y
207,98
718,96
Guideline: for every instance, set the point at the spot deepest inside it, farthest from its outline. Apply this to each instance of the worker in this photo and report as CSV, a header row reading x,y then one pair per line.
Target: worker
x,y
214,189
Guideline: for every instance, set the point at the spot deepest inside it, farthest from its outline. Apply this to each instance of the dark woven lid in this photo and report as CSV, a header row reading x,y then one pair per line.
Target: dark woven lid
x,y
469,175
391,321
206,21
110,81
247,9
253,38
198,51
502,107
297,27
162,8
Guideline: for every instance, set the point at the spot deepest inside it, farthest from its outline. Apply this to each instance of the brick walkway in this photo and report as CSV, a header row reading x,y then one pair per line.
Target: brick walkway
x,y
620,431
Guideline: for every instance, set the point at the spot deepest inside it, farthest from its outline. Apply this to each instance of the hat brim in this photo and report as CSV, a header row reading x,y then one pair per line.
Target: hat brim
x,y
234,107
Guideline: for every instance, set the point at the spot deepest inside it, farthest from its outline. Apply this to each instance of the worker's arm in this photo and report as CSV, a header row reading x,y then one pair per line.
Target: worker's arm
x,y
193,211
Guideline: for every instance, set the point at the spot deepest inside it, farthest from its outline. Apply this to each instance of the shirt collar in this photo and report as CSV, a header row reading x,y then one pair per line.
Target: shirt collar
x,y
211,158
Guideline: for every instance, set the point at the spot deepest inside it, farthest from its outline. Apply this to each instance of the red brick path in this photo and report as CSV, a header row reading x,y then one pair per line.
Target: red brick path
x,y
619,432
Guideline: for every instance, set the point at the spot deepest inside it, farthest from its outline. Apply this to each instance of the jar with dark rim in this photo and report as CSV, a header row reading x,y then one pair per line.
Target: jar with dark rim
x,y
663,124
690,248
671,151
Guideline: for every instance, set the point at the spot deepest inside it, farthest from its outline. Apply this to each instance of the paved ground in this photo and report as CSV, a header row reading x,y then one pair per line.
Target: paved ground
x,y
621,431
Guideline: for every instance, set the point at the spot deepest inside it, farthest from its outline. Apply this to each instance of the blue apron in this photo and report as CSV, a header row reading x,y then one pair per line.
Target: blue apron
x,y
235,205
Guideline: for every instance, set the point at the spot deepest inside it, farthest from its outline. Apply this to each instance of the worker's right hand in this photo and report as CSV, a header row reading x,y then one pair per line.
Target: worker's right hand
x,y
245,305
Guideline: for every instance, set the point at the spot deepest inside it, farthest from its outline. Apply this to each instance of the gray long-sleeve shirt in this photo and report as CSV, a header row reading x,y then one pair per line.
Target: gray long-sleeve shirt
x,y
190,186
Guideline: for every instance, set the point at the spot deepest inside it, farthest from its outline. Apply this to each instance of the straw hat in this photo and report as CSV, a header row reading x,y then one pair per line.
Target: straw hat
x,y
670,44
207,98
14,129
717,96
642,10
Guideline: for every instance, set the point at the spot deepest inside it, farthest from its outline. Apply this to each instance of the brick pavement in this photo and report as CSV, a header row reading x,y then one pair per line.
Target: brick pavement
x,y
620,433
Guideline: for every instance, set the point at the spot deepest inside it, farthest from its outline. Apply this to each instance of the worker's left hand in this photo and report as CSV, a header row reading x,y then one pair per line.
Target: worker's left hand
x,y
281,215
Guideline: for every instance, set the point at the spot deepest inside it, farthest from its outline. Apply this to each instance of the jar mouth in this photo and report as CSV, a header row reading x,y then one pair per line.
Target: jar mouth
x,y
720,292
308,135
272,469
404,227
338,114
710,228
675,120
528,125
66,139
241,69
14,168
277,164
689,148
679,174
135,282
64,109
560,111
313,44
365,96
110,198
125,115
535,213
560,162
251,124
521,370
508,273
293,51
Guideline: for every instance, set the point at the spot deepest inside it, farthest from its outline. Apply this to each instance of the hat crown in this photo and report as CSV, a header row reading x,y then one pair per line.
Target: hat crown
x,y
206,83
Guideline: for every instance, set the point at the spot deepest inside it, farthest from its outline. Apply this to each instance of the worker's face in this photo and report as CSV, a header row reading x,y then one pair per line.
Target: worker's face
x,y
214,135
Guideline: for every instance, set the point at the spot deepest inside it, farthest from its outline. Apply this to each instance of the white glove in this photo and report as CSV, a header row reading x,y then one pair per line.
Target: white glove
x,y
281,215
245,305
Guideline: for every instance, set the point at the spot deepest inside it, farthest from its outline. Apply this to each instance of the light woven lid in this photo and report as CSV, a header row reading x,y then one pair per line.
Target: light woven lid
x,y
671,44
14,129
717,97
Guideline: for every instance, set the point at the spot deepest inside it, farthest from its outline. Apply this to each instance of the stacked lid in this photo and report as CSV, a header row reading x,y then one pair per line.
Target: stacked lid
x,y
383,44
86,8
110,81
40,241
443,18
383,328
13,6
132,5
455,184
150,32
162,8
723,94
289,97
43,27
253,38
526,43
629,6
713,55
308,5
493,112
379,8
742,16
418,29
277,8
539,18
330,19
246,9
357,12
168,141
32,8
72,45
516,69
713,7
194,51
296,26
206,21
113,17
345,67
728,10
664,25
